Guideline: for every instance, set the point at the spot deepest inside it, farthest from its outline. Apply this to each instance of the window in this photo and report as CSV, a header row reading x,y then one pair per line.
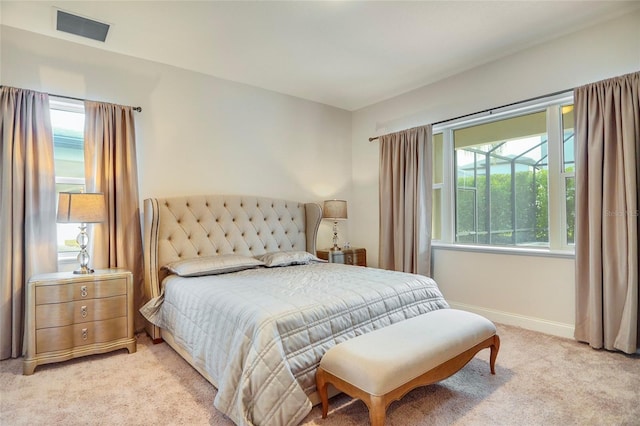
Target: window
x,y
568,172
67,122
506,178
438,174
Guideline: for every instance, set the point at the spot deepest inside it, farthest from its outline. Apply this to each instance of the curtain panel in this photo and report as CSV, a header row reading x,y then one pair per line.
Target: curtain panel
x,y
405,200
607,192
27,203
111,168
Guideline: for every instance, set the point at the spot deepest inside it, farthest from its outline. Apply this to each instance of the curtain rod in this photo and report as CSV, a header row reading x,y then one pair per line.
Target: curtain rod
x,y
373,138
138,109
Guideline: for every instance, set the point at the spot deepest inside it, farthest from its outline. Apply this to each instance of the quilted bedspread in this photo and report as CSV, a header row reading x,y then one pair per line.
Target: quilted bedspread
x,y
260,333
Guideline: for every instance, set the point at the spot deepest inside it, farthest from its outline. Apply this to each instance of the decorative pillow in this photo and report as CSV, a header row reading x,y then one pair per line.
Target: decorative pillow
x,y
212,265
286,258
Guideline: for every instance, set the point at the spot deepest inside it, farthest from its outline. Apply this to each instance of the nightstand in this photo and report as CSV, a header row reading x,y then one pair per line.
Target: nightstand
x,y
71,315
351,256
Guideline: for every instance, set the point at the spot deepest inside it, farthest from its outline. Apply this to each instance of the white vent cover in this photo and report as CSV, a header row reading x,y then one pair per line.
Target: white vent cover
x,y
83,27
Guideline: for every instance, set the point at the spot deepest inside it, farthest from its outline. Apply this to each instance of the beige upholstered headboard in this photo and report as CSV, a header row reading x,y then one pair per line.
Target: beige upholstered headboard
x,y
178,228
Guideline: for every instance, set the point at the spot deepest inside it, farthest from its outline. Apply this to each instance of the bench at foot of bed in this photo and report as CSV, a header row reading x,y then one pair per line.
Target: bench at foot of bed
x,y
382,366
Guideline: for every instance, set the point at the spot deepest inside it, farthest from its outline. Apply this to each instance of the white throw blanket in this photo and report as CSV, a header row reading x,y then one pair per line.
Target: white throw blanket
x,y
260,333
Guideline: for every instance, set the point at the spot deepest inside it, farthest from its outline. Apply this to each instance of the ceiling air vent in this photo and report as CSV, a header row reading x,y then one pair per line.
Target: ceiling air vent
x,y
81,26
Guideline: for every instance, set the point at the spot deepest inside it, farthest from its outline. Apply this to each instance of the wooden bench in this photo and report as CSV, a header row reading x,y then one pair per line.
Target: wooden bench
x,y
382,366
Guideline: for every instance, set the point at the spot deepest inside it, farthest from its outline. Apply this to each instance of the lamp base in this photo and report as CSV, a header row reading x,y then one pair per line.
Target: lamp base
x,y
83,256
335,236
84,270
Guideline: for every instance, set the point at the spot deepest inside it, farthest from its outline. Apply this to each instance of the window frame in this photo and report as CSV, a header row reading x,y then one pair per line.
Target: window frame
x,y
74,106
557,211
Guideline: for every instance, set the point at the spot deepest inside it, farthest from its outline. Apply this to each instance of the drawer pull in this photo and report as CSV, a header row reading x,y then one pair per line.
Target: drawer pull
x,y
83,311
85,334
83,291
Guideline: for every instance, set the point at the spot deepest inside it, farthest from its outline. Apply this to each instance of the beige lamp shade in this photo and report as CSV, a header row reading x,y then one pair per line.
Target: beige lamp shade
x,y
80,207
334,210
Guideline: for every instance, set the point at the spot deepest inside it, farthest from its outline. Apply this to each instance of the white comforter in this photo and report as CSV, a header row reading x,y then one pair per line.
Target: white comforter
x,y
260,333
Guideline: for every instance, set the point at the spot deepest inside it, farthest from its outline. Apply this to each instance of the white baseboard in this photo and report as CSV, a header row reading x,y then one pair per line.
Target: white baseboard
x,y
530,323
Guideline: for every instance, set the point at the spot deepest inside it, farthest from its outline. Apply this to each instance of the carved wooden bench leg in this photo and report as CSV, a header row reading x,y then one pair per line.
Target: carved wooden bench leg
x,y
494,353
322,384
377,410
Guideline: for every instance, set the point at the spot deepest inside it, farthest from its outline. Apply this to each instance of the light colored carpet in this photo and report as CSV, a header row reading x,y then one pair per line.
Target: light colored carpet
x,y
540,380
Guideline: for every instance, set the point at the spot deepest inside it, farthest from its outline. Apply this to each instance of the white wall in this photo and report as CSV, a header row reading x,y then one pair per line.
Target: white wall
x,y
532,292
197,134
536,292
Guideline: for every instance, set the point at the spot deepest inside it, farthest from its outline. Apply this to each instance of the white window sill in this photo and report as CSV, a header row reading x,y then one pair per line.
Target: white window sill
x,y
518,251
67,258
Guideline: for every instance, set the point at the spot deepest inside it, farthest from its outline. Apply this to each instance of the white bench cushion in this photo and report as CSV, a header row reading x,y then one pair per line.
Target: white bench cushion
x,y
385,359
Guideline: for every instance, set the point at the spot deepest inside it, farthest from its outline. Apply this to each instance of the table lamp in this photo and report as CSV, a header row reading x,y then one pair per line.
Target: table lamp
x,y
82,208
335,210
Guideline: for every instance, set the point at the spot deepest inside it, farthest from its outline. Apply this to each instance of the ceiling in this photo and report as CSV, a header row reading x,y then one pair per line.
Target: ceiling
x,y
347,54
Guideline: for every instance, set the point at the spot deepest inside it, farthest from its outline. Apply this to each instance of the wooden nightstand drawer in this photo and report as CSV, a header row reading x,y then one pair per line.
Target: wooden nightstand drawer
x,y
79,291
61,314
73,315
72,336
351,256
356,257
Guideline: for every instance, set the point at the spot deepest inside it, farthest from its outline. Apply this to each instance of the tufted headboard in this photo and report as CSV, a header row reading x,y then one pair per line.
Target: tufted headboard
x,y
178,228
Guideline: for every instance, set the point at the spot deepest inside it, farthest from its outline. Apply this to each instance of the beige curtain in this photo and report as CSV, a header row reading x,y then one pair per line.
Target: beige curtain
x,y
405,200
27,204
110,167
607,185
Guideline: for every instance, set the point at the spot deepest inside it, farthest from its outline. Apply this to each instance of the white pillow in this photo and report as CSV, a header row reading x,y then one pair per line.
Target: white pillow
x,y
286,258
212,265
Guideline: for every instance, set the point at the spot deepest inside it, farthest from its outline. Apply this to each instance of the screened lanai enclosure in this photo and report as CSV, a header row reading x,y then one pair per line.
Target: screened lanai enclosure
x,y
502,180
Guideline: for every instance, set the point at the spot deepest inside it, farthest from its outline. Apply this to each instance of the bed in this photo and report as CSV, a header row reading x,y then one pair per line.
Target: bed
x,y
233,285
